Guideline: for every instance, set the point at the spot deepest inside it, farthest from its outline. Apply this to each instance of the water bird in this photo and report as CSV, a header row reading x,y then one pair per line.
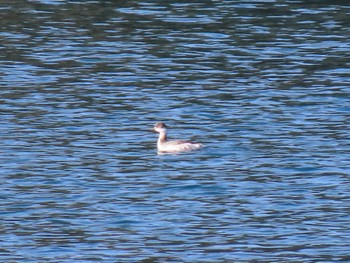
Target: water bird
x,y
164,145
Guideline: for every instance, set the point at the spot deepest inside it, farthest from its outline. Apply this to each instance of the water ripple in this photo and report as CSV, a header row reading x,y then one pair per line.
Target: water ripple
x,y
264,85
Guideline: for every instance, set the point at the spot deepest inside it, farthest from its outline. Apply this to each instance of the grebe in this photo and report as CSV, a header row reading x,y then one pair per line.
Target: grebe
x,y
173,146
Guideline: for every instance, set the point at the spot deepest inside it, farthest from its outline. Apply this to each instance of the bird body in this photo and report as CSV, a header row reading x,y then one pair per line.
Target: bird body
x,y
164,145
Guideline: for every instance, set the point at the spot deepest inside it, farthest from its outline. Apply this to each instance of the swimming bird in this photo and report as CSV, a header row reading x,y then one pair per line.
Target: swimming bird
x,y
164,145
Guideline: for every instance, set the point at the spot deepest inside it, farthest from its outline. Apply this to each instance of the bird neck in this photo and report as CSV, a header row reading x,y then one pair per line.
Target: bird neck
x,y
162,136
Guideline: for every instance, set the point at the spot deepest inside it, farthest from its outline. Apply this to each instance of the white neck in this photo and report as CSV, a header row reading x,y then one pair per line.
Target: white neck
x,y
162,135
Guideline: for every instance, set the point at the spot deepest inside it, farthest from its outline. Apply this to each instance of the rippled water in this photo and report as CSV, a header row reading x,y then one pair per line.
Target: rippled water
x,y
263,84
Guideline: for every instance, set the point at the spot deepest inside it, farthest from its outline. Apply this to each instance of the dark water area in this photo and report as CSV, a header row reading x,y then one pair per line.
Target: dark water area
x,y
263,84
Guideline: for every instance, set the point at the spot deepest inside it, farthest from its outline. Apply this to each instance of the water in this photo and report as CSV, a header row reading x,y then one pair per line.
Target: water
x,y
263,84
